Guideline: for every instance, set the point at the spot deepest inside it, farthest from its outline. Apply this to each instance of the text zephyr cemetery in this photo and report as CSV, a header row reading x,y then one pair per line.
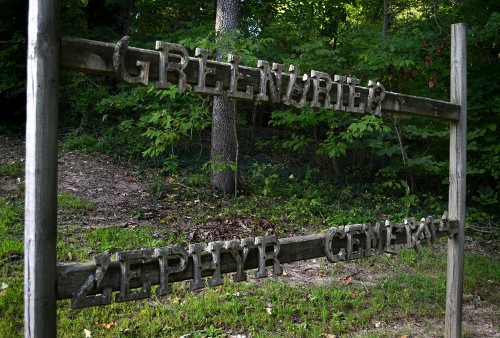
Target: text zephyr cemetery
x,y
296,93
135,271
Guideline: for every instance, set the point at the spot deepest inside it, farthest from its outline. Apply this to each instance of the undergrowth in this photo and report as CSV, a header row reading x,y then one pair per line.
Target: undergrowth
x,y
289,200
411,285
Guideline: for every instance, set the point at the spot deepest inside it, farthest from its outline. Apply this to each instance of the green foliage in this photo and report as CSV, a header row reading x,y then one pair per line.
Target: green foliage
x,y
483,105
81,94
11,229
218,165
73,19
171,20
13,32
12,84
143,121
335,135
12,169
70,203
116,239
170,118
340,37
317,54
83,143
297,27
248,47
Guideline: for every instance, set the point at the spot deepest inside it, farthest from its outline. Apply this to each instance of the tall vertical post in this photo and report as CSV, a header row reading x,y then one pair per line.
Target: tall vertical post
x,y
40,224
456,204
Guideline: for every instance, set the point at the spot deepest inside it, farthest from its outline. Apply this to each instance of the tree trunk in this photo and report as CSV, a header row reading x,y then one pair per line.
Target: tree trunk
x,y
115,17
224,152
385,25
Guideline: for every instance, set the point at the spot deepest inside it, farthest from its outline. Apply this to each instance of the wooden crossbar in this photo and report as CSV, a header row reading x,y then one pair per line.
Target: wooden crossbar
x,y
81,281
94,57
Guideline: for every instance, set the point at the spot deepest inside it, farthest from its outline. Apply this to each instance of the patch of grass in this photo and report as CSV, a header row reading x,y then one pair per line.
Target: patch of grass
x,y
68,203
482,277
79,244
11,228
116,238
271,309
71,244
11,298
414,285
12,170
11,268
81,143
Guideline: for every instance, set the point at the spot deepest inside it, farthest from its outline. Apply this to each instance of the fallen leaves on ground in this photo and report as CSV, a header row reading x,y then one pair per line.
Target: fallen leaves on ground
x,y
269,308
107,325
347,280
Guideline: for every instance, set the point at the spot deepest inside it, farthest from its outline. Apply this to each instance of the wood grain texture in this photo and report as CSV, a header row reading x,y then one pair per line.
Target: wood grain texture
x,y
96,57
40,229
72,276
457,189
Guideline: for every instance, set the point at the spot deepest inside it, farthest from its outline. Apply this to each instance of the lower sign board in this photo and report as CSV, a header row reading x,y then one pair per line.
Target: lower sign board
x,y
134,272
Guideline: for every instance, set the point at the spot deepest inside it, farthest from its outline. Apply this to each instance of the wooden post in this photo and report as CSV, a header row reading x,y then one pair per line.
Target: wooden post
x,y
40,229
456,201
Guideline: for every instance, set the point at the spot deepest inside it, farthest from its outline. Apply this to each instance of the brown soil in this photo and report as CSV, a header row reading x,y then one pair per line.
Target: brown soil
x,y
120,194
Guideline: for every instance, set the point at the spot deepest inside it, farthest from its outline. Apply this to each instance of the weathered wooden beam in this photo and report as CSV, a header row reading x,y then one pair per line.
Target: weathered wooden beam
x,y
40,224
457,189
96,57
78,281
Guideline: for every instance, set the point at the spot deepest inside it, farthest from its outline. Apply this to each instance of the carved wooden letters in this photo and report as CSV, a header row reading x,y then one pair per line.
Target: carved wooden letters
x,y
138,270
325,87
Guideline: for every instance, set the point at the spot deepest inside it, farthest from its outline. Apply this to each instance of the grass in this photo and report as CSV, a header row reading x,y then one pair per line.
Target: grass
x,y
413,286
270,309
69,203
274,308
13,170
11,268
112,239
405,287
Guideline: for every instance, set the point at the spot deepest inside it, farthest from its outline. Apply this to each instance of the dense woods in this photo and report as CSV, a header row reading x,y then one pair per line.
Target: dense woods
x,y
403,44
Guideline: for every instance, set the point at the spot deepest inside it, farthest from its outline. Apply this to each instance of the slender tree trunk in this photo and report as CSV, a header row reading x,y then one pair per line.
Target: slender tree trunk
x,y
224,152
385,25
115,17
127,16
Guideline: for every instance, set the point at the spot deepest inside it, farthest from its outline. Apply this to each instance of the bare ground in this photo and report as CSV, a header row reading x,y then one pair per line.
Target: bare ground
x,y
120,194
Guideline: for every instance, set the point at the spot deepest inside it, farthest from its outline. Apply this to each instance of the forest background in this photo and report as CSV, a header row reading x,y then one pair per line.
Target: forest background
x,y
406,47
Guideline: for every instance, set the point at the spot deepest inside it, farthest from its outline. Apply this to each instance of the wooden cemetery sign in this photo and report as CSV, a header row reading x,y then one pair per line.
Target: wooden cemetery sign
x,y
134,272
172,64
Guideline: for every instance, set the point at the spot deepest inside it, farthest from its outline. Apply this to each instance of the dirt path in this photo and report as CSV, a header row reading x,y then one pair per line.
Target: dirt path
x,y
119,194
